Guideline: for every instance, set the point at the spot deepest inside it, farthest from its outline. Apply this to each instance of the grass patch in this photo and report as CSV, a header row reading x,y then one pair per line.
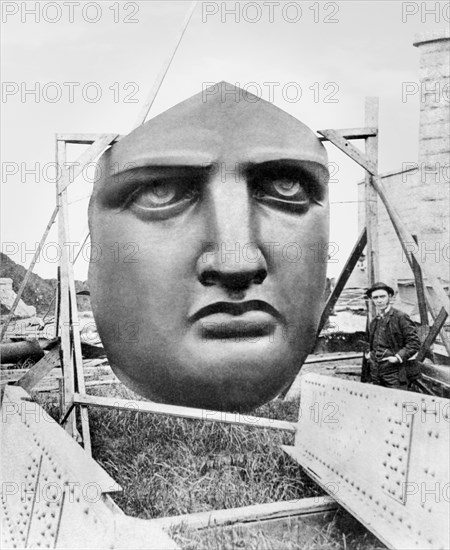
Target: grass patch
x,y
170,466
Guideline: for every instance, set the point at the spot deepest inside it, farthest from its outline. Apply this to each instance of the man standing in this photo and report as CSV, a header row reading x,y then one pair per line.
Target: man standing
x,y
393,340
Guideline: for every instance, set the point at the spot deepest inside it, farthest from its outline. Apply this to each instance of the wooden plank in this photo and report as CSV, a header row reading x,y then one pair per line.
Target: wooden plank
x,y
78,359
343,278
332,357
420,289
353,152
57,301
431,336
183,412
251,514
355,133
349,369
40,370
65,321
83,139
443,334
91,153
371,201
29,271
13,375
163,71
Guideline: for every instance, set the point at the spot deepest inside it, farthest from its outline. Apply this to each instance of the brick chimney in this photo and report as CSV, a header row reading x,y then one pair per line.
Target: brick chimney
x,y
434,145
434,76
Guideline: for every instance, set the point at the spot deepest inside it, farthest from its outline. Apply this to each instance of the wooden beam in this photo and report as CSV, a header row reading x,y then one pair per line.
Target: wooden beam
x,y
57,300
343,278
443,334
91,153
353,152
431,336
355,133
311,359
371,200
64,318
77,362
29,271
83,139
420,289
163,71
183,412
40,370
251,514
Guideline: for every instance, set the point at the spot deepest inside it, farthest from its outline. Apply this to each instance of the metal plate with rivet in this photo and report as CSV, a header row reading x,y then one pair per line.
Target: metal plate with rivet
x,y
382,453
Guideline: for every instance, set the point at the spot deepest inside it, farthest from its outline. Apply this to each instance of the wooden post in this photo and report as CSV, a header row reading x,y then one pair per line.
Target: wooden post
x,y
64,317
78,360
420,290
57,301
371,199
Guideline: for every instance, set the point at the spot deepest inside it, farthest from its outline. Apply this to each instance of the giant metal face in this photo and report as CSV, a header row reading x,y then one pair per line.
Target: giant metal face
x,y
210,218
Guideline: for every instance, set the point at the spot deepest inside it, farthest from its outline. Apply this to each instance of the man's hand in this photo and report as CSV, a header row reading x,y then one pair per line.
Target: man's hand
x,y
392,360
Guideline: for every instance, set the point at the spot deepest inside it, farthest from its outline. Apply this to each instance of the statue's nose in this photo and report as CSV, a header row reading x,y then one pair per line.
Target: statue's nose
x,y
232,257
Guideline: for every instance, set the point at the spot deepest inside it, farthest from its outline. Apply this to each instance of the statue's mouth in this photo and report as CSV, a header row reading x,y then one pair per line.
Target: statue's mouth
x,y
235,309
241,320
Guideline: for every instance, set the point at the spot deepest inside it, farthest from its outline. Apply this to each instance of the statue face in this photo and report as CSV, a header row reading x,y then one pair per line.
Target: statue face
x,y
210,223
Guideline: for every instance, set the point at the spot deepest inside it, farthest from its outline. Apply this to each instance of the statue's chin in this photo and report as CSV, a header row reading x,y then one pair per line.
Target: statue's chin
x,y
215,391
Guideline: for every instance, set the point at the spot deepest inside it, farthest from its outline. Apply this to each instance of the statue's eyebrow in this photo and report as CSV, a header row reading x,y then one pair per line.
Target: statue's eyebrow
x,y
287,167
132,173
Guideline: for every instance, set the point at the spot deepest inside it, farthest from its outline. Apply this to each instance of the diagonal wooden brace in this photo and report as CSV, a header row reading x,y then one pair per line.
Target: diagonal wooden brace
x,y
431,336
88,156
349,149
343,278
40,370
402,232
29,271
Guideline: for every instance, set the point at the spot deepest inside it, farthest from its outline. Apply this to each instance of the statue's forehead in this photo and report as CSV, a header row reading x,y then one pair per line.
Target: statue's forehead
x,y
222,123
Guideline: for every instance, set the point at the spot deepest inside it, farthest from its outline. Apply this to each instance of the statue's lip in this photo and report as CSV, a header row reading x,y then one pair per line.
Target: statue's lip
x,y
235,309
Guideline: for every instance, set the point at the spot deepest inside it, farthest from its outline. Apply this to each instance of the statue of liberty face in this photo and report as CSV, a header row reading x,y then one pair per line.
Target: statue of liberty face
x,y
208,288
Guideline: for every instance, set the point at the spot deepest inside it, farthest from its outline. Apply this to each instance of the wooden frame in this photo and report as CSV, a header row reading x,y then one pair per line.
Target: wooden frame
x,y
75,401
74,388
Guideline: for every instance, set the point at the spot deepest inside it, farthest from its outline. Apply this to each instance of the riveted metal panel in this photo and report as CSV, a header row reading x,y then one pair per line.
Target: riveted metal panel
x,y
54,494
48,501
382,453
20,466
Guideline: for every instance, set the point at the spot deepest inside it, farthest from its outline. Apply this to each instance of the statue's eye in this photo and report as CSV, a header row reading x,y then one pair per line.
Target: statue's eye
x,y
155,195
284,193
161,198
288,184
289,189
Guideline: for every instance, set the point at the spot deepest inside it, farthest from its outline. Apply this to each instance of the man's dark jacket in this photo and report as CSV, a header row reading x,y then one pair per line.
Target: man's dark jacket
x,y
401,335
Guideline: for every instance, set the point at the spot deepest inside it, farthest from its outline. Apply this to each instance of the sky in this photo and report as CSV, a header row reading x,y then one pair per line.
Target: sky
x,y
87,67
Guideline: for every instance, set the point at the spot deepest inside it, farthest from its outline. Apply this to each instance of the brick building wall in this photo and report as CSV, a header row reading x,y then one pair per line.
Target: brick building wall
x,y
421,194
